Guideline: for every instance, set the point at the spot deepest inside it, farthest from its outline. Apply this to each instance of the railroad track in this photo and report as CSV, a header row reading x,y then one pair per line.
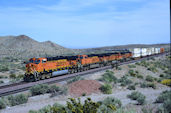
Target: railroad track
x,y
23,86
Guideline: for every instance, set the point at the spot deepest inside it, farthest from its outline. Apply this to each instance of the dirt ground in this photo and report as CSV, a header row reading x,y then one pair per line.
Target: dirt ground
x,y
119,92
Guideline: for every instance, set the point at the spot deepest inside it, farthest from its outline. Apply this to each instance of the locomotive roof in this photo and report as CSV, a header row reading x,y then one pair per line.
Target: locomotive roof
x,y
102,54
62,57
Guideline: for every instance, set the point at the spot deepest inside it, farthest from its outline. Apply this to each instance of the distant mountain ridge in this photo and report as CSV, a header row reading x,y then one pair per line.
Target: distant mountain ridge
x,y
23,46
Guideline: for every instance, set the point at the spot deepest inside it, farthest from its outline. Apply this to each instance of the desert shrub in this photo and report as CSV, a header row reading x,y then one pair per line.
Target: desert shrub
x,y
149,78
119,68
166,106
166,82
165,99
64,90
89,106
1,81
13,76
147,110
4,68
108,77
124,110
111,101
39,89
109,104
18,99
139,97
137,63
84,94
77,78
132,66
146,85
131,87
20,76
137,72
3,76
161,75
106,89
53,88
140,76
132,73
163,96
2,104
143,85
136,83
152,85
124,81
152,68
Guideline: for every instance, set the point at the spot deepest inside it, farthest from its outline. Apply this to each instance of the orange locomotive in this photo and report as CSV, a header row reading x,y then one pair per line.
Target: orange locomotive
x,y
41,68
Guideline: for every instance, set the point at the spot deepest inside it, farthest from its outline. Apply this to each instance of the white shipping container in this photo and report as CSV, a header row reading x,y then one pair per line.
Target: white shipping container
x,y
136,52
152,51
157,50
143,51
148,51
135,55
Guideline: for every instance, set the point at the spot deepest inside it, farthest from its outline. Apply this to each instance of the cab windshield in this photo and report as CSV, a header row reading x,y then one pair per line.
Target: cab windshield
x,y
37,61
31,61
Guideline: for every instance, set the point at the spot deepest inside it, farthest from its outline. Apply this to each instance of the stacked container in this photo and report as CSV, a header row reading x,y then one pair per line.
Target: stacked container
x,y
157,50
136,52
148,51
143,51
152,51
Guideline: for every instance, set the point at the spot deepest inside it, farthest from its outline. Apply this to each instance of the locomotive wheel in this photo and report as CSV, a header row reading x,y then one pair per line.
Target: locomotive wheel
x,y
47,76
72,71
36,76
43,77
75,71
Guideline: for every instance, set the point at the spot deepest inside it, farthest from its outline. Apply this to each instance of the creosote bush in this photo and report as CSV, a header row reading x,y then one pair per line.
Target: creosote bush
x,y
17,99
106,89
131,87
165,99
132,66
2,104
44,88
149,78
146,85
124,81
39,89
163,96
108,77
139,97
109,104
13,76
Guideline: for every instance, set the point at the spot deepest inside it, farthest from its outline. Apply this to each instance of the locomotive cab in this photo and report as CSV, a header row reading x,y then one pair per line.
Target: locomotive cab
x,y
34,66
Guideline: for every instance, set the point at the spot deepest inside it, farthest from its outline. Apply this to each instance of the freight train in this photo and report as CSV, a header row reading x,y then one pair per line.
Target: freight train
x,y
42,68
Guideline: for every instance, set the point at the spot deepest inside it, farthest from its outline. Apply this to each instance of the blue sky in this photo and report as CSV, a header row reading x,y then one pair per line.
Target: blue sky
x,y
87,23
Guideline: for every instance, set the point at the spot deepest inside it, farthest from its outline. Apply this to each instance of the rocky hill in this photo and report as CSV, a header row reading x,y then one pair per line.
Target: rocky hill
x,y
23,46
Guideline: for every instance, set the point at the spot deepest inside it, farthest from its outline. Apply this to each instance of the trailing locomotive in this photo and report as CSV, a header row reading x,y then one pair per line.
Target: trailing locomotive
x,y
42,68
